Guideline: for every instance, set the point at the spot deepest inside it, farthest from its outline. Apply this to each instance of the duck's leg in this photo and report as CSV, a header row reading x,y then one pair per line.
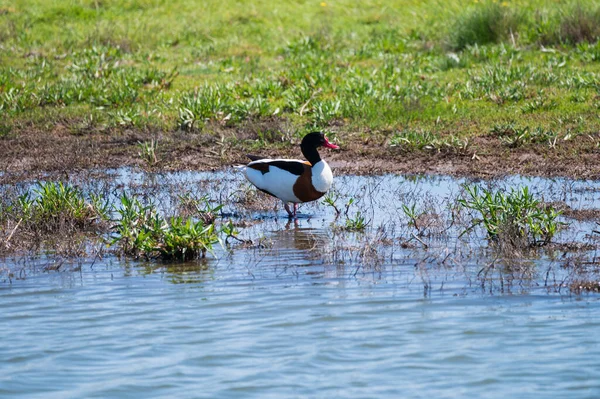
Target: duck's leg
x,y
295,208
287,208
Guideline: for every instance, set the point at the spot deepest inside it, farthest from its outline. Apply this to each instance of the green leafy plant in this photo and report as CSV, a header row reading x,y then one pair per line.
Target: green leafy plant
x,y
356,223
141,231
330,200
57,205
135,226
185,239
101,206
516,216
413,215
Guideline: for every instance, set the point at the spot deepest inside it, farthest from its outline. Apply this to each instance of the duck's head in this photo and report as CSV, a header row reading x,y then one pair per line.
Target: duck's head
x,y
317,139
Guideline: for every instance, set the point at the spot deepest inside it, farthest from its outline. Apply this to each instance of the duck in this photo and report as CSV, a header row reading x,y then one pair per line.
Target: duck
x,y
294,181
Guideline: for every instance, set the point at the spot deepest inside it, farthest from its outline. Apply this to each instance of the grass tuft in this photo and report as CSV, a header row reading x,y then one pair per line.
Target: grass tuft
x,y
577,23
59,207
147,151
485,24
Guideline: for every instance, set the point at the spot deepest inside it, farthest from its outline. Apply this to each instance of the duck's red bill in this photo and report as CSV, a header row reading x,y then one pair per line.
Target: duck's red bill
x,y
329,145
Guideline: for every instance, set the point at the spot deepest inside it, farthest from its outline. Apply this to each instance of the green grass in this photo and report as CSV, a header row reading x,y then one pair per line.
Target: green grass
x,y
515,217
50,209
141,232
54,206
444,68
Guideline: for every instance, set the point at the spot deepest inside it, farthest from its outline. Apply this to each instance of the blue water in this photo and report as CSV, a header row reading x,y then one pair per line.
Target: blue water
x,y
106,334
294,318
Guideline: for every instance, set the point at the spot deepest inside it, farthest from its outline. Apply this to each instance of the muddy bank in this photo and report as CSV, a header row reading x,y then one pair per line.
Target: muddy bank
x,y
30,153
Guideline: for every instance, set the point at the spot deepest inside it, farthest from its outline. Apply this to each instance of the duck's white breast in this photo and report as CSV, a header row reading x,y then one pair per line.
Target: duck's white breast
x,y
322,177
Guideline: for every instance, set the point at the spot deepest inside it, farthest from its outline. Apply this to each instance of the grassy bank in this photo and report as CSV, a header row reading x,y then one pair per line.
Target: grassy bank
x,y
463,78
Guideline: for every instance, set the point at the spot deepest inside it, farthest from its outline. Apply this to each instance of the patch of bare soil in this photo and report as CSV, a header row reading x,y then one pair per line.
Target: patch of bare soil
x,y
33,153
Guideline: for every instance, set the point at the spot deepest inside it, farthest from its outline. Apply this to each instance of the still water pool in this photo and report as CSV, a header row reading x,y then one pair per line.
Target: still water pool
x,y
305,316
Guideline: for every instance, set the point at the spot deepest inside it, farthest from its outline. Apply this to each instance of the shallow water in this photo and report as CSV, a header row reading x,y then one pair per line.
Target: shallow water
x,y
307,314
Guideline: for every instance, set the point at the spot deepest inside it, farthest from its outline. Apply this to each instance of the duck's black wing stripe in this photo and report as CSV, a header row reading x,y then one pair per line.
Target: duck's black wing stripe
x,y
294,167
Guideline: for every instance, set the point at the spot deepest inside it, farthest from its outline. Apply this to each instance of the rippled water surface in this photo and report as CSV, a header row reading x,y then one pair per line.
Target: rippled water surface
x,y
307,314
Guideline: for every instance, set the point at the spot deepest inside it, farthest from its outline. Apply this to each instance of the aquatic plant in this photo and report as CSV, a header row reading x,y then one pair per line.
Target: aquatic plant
x,y
55,205
101,206
142,232
132,229
185,239
413,216
201,208
229,230
356,223
516,217
330,200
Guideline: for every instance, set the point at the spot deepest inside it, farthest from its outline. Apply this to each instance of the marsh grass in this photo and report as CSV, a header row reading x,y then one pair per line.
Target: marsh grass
x,y
514,219
56,215
175,227
141,232
54,206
